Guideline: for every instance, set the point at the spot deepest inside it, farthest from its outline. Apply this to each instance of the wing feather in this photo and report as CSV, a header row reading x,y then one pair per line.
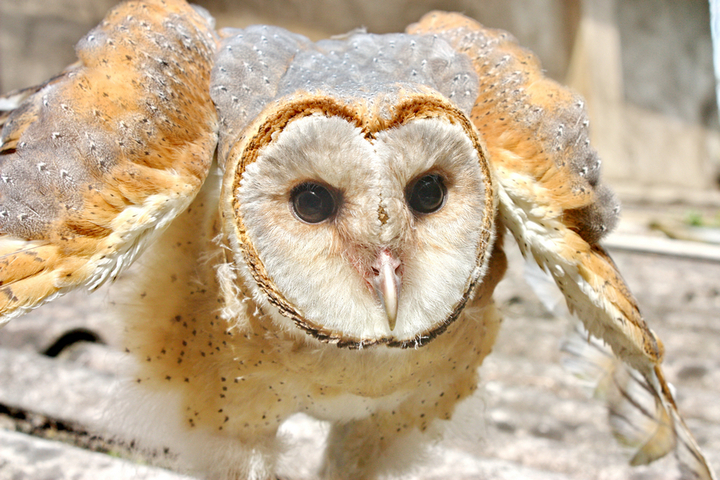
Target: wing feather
x,y
637,408
99,159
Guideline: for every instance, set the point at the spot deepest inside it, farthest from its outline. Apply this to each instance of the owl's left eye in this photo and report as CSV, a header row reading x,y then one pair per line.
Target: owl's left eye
x,y
427,194
312,202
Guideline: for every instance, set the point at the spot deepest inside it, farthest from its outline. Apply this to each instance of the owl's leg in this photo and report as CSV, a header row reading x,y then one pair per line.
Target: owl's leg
x,y
157,420
227,458
393,440
364,449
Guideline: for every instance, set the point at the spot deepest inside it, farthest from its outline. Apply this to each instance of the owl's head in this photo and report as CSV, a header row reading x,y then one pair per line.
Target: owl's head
x,y
362,211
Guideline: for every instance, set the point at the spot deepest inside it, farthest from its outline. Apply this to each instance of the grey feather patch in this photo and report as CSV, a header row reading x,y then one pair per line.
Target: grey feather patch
x,y
598,219
367,66
259,64
64,149
247,72
38,180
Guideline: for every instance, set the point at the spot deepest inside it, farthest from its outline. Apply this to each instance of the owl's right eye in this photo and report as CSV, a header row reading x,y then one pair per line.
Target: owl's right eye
x,y
312,202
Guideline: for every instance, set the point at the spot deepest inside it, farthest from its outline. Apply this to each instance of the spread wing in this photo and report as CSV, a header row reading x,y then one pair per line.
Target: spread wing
x,y
552,200
97,160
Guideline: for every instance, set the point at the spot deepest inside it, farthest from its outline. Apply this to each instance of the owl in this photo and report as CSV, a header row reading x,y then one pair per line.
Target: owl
x,y
321,227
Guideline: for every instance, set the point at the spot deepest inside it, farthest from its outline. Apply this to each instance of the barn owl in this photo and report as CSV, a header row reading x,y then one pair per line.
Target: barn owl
x,y
321,226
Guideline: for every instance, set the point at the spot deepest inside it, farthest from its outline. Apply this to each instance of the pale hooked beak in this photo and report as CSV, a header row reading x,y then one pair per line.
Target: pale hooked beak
x,y
386,282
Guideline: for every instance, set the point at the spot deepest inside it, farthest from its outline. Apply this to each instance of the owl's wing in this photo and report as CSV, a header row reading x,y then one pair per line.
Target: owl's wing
x,y
98,159
551,198
636,415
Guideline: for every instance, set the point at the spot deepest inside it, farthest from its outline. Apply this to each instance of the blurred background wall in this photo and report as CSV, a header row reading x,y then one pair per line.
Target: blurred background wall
x,y
644,66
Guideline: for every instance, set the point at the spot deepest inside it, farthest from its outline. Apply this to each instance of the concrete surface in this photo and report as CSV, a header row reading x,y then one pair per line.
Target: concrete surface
x,y
23,457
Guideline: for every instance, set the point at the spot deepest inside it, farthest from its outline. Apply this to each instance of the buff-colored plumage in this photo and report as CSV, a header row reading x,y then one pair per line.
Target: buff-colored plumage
x,y
244,309
100,158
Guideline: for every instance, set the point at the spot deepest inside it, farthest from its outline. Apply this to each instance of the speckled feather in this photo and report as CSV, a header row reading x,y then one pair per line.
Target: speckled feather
x,y
236,378
100,158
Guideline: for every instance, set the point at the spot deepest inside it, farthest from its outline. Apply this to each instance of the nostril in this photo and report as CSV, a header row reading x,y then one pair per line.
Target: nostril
x,y
375,271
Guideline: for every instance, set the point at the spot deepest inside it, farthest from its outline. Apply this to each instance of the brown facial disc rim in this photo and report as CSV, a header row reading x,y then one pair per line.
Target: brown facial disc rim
x,y
416,106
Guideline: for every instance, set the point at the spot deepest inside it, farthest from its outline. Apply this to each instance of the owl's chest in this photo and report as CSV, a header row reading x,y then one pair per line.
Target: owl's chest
x,y
339,384
345,407
357,380
248,376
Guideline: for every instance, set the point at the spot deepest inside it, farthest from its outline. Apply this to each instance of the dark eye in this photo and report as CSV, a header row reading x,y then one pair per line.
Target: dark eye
x,y
312,202
427,194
